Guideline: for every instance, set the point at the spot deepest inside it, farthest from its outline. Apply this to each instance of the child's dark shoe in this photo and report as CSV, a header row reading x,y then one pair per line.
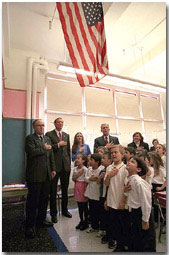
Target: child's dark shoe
x,y
84,226
79,225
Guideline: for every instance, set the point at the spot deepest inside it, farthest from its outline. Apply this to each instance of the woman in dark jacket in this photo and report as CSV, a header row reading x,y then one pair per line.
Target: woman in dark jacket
x,y
138,142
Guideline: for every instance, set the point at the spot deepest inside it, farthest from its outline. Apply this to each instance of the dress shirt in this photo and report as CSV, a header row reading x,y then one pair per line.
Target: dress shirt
x,y
41,137
106,138
139,196
116,186
150,177
92,190
160,178
86,151
57,132
164,160
76,170
137,144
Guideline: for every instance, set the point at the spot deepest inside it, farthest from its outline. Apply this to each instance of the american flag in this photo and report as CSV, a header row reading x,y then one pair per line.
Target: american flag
x,y
83,28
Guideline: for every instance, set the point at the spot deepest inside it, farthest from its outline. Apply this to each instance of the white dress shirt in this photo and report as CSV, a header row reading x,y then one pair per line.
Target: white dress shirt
x,y
106,137
139,196
81,178
116,186
92,190
164,160
149,178
160,178
57,132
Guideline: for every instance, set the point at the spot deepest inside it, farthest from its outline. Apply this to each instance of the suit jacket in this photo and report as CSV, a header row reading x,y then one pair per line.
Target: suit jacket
x,y
61,154
99,141
40,162
142,144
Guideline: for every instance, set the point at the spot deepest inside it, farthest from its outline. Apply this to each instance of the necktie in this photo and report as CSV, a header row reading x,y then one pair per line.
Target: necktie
x,y
60,136
106,140
41,138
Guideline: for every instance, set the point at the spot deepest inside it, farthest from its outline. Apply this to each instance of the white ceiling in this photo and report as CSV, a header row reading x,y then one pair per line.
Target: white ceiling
x,y
135,34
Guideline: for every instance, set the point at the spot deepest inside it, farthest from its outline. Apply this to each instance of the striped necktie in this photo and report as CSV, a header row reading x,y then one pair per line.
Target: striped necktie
x,y
60,136
106,139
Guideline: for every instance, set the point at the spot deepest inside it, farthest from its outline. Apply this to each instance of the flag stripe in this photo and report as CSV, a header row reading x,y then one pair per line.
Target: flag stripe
x,y
97,45
69,45
79,48
86,42
83,33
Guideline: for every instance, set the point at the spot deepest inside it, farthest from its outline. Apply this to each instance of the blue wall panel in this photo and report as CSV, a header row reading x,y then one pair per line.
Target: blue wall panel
x,y
13,150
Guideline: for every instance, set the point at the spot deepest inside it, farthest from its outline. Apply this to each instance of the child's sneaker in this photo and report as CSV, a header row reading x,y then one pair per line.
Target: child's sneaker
x,y
100,233
112,244
90,230
104,239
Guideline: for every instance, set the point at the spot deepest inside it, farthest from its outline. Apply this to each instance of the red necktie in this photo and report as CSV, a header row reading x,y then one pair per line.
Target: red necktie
x,y
106,140
60,136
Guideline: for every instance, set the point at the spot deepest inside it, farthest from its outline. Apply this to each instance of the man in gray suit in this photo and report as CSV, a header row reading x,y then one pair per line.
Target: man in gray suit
x,y
105,140
40,169
61,148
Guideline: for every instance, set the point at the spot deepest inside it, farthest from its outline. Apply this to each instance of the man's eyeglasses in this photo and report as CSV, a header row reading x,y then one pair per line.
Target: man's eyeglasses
x,y
40,125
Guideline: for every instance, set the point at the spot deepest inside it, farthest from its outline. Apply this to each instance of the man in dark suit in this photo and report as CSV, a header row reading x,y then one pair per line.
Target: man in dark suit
x,y
61,148
105,140
40,170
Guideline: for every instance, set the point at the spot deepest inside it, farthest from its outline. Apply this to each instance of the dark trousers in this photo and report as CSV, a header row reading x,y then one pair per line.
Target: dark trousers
x,y
154,205
94,213
64,180
37,202
83,210
142,240
119,226
103,215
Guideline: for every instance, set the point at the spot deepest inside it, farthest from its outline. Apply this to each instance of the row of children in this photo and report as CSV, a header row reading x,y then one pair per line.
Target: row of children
x,y
119,197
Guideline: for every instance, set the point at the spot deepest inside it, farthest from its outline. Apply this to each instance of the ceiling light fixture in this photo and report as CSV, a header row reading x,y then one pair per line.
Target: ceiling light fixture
x,y
51,21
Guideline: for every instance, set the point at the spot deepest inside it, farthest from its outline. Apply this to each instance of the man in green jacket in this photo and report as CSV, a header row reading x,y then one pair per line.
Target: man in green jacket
x,y
40,170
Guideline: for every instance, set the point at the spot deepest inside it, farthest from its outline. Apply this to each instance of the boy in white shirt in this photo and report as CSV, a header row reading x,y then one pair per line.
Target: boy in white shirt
x,y
139,202
106,162
115,179
92,190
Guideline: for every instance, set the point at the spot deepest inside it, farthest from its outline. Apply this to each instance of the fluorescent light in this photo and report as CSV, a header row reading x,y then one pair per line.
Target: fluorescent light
x,y
70,69
120,81
129,82
66,69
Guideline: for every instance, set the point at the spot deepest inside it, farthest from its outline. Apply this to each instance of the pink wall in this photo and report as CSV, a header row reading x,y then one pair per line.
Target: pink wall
x,y
14,105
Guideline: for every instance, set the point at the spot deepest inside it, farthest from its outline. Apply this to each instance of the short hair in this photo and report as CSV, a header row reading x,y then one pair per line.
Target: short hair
x,y
97,157
118,146
144,155
138,133
104,124
100,148
57,119
108,153
155,140
34,122
130,149
142,165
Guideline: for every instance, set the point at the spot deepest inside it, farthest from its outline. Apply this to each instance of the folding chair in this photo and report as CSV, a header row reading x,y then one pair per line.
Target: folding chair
x,y
160,199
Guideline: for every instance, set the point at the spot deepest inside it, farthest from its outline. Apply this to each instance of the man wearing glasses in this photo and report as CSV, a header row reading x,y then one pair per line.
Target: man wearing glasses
x,y
40,170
